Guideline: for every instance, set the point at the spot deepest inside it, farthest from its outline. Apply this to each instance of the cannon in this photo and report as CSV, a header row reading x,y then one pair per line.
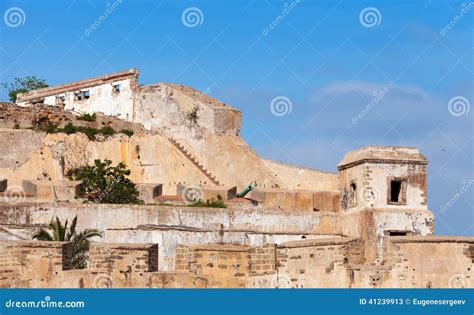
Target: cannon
x,y
245,191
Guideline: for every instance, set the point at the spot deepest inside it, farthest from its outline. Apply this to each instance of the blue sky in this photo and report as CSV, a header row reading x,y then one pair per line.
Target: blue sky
x,y
328,62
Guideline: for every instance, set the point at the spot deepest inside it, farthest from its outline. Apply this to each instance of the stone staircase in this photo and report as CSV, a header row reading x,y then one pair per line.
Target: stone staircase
x,y
194,159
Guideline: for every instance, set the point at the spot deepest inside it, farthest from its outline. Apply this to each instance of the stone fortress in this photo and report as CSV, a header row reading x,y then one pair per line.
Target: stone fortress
x,y
366,226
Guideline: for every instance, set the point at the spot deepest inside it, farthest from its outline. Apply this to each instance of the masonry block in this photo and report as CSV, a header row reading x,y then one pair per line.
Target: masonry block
x,y
66,190
299,200
257,195
42,191
51,191
148,191
226,193
326,201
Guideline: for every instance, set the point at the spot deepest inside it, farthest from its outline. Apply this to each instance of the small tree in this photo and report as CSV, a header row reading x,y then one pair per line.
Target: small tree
x,y
57,232
104,183
23,85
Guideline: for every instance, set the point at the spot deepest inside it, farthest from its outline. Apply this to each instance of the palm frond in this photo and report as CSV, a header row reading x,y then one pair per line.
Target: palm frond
x,y
87,234
55,227
43,235
72,230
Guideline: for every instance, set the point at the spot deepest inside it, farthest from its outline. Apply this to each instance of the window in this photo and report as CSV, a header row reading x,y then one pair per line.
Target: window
x,y
116,88
3,185
395,190
397,233
82,95
396,194
352,195
60,100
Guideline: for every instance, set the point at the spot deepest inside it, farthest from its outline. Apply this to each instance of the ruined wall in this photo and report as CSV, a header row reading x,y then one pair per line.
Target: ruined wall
x,y
15,143
30,264
219,266
183,112
151,159
38,264
410,262
314,263
127,264
50,159
170,226
303,178
424,262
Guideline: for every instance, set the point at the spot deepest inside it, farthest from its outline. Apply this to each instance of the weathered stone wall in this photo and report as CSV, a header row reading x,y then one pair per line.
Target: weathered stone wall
x,y
314,263
410,262
303,178
37,264
30,264
169,226
127,264
151,159
219,266
429,262
178,111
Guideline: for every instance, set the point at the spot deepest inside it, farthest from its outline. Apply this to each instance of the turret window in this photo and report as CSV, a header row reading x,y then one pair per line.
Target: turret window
x,y
396,191
352,195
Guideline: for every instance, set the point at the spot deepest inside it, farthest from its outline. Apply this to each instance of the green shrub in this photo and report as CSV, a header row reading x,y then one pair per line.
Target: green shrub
x,y
210,203
87,117
104,183
127,132
17,126
89,132
69,129
107,131
51,128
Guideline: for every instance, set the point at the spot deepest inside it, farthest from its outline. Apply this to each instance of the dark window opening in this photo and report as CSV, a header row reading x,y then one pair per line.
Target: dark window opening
x,y
395,190
86,94
397,233
117,88
352,195
3,185
60,100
